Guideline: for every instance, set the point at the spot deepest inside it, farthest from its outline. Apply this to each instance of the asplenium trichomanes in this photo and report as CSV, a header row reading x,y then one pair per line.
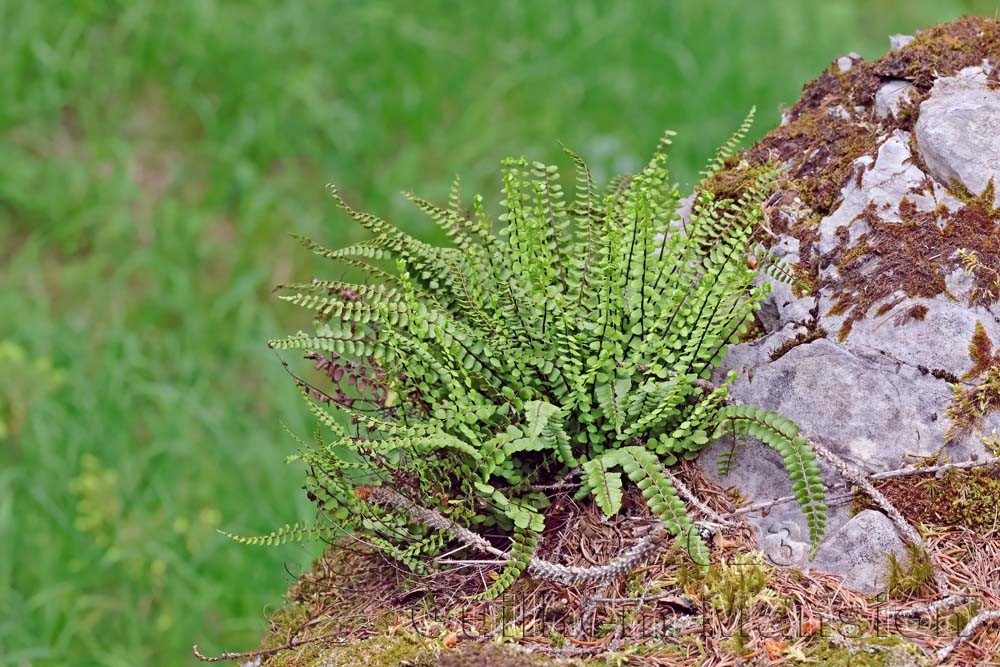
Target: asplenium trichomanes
x,y
574,336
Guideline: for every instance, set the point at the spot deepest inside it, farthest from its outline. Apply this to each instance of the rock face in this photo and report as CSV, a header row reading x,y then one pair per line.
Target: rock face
x,y
958,131
885,216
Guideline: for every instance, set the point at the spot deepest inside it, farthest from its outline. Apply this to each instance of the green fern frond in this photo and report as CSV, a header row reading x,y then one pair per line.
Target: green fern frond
x,y
544,424
521,551
455,226
322,416
373,249
286,534
729,147
782,435
354,347
605,485
643,467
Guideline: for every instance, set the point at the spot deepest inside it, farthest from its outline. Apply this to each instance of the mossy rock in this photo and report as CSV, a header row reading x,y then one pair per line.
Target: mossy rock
x,y
887,348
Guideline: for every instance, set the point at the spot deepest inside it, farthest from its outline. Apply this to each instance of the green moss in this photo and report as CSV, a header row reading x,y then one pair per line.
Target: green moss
x,y
908,579
977,502
992,443
970,404
877,651
408,649
492,655
733,586
385,651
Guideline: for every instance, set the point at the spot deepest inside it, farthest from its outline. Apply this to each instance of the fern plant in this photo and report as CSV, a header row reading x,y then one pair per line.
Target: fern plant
x,y
578,334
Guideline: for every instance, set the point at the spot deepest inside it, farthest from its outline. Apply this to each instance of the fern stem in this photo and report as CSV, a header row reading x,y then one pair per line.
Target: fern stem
x,y
565,575
542,569
690,496
628,265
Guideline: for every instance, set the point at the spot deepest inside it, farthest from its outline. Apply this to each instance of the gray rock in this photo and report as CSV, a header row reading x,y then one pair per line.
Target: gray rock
x,y
863,547
911,342
884,182
839,111
869,408
898,41
875,398
958,131
890,97
875,411
845,63
873,391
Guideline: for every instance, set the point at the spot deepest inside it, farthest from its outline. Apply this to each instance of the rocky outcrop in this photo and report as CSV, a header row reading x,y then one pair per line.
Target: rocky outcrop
x,y
958,130
887,216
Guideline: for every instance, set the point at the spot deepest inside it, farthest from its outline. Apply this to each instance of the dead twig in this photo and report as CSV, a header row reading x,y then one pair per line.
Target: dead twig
x,y
966,633
949,602
542,569
858,477
689,496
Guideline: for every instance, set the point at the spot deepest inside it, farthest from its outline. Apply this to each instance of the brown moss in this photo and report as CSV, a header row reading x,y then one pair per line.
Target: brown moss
x,y
821,148
831,126
967,498
910,251
916,312
993,79
822,145
735,178
814,333
947,376
942,51
805,278
981,353
885,308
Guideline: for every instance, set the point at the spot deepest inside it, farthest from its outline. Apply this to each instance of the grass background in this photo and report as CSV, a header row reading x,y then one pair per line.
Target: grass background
x,y
153,158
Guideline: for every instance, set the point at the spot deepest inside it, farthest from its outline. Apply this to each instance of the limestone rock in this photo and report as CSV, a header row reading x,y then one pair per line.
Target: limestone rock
x,y
958,131
868,357
898,41
866,541
891,95
845,63
884,181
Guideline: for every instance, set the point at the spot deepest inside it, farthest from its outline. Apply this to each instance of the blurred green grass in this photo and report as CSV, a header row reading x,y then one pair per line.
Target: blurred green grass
x,y
153,158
